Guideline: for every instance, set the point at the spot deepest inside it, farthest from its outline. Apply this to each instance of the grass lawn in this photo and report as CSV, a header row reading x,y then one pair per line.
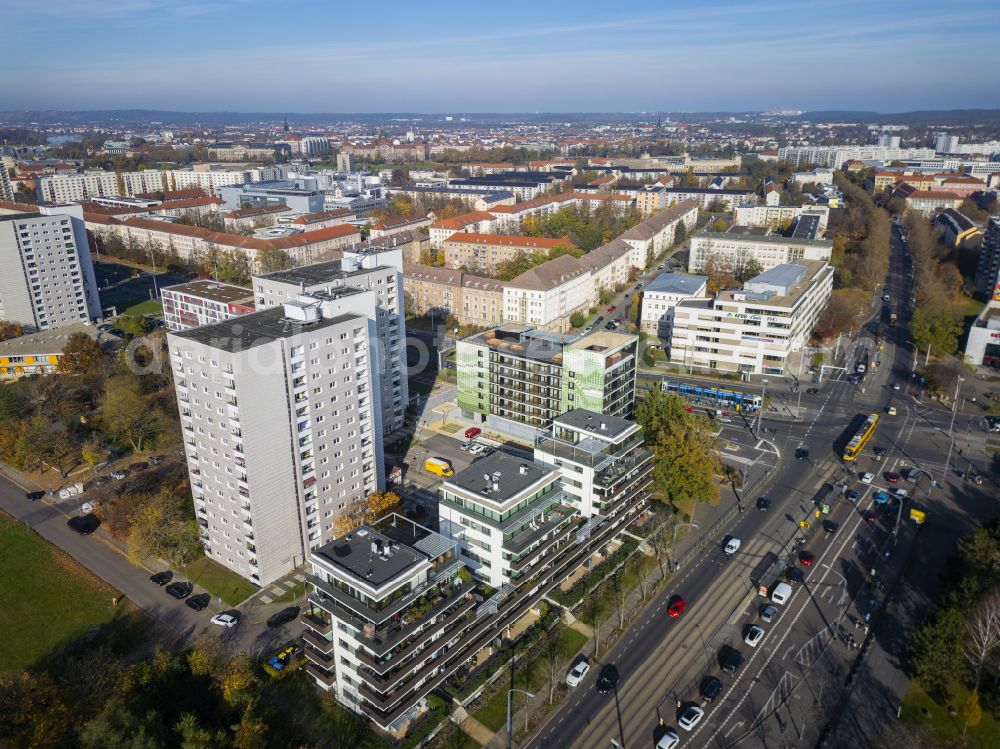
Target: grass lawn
x,y
46,598
296,591
970,307
219,581
946,727
149,307
493,713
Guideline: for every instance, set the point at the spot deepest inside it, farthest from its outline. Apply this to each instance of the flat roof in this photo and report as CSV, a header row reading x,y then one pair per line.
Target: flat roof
x,y
353,553
212,290
44,341
256,329
762,239
594,422
331,270
515,476
806,227
677,283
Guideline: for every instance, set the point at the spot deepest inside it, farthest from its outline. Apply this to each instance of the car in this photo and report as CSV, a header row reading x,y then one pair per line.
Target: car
x,y
870,517
896,491
472,432
881,497
754,635
161,578
607,679
801,453
34,496
84,524
676,607
914,475
668,740
885,297
612,308
767,613
896,386
763,503
711,687
853,495
794,575
465,446
136,467
227,620
890,410
638,286
830,526
812,391
119,475
155,459
732,546
283,617
879,452
689,409
199,602
577,673
855,378
892,477
807,558
691,717
179,591
730,659
867,478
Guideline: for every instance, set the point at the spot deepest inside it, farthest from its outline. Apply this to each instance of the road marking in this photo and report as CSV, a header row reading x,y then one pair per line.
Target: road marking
x,y
735,726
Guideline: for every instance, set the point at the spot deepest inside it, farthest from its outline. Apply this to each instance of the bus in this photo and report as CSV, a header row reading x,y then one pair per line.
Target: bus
x,y
719,398
892,319
860,438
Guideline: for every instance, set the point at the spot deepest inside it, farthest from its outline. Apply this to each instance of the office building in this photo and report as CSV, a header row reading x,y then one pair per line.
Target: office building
x,y
988,270
753,330
379,270
300,196
735,247
661,297
517,379
604,467
982,349
48,279
202,302
280,428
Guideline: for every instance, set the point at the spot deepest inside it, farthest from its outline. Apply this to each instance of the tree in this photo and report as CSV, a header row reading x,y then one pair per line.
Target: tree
x,y
157,529
93,453
577,320
553,659
136,325
619,592
841,312
240,681
659,541
271,260
380,504
124,726
636,566
208,657
983,630
937,326
48,443
80,355
32,711
9,329
126,414
250,732
970,712
680,233
936,651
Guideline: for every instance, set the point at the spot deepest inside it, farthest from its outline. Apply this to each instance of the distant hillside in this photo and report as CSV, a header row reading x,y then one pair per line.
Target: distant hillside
x,y
921,117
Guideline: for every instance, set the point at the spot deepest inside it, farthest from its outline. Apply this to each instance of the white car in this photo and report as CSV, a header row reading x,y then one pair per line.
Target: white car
x,y
668,740
87,507
754,635
898,492
867,478
732,546
577,673
225,620
691,717
895,386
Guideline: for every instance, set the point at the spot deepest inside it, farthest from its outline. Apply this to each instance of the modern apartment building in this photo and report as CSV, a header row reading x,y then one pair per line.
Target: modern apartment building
x,y
835,156
381,271
734,248
517,379
48,280
755,329
281,429
203,302
662,295
603,465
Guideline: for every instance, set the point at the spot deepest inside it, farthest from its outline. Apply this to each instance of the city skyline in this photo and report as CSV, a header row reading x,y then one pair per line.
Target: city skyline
x,y
579,58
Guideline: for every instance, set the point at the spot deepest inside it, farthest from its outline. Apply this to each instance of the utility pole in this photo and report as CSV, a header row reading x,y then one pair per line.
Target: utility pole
x,y
951,428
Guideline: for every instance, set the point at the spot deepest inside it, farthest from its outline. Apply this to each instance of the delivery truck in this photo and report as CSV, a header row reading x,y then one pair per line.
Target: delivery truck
x,y
439,466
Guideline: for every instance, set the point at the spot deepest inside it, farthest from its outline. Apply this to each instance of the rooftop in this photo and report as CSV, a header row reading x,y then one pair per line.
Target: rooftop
x,y
807,226
213,290
370,556
501,477
677,283
44,342
601,425
318,273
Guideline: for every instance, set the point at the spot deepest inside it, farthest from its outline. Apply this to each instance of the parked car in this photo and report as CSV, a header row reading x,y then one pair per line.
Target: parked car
x,y
283,617
767,613
730,659
853,495
668,740
577,673
162,578
612,308
812,391
691,717
879,452
892,477
794,575
34,496
119,475
227,619
711,687
155,459
871,517
830,526
199,602
472,432
867,478
84,524
754,635
179,590
607,679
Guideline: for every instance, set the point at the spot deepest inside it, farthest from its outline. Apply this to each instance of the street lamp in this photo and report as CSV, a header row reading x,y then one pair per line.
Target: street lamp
x,y
760,415
510,730
951,427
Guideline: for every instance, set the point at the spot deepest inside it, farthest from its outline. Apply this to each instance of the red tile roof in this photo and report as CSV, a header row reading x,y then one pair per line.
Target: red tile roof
x,y
546,243
464,220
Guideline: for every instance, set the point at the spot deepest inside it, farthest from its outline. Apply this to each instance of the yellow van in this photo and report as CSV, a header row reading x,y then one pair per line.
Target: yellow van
x,y
439,466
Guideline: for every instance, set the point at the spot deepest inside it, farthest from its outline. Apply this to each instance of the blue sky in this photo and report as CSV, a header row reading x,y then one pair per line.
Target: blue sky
x,y
512,56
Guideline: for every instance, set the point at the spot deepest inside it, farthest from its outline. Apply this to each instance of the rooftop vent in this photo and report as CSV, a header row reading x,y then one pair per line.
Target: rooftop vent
x,y
524,468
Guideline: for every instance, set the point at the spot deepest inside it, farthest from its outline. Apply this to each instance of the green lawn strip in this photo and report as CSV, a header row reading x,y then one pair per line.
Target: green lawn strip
x,y
946,727
297,591
219,581
149,307
46,598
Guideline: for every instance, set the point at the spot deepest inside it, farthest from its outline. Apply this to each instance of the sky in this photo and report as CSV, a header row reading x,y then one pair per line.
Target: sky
x,y
511,56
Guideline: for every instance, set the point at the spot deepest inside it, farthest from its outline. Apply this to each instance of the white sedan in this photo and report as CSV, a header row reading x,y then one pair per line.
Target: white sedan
x,y
668,740
732,546
225,620
577,673
754,635
867,478
691,717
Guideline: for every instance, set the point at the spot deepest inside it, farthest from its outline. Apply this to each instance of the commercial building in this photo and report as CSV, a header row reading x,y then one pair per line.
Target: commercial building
x,y
517,379
202,302
38,352
547,295
982,349
735,247
374,269
48,279
300,196
988,270
662,295
443,292
603,465
484,253
280,427
755,329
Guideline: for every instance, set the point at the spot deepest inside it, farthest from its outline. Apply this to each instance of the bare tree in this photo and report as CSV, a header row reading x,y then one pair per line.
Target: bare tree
x,y
983,628
635,565
659,542
553,663
619,591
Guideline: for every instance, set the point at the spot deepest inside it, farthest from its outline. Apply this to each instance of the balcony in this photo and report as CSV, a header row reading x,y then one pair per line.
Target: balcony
x,y
323,677
318,643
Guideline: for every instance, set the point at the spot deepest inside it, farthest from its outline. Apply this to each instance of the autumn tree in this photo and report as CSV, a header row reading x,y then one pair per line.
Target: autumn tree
x,y
983,634
842,312
552,659
270,260
126,413
9,329
970,712
32,711
92,452
80,355
240,681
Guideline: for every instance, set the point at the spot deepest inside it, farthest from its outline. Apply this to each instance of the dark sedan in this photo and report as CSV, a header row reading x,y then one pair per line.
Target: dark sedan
x,y
283,617
608,679
179,590
84,524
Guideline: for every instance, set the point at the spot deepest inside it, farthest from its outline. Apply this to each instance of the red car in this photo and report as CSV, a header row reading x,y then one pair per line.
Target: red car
x,y
807,558
472,432
892,478
612,308
676,607
870,517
